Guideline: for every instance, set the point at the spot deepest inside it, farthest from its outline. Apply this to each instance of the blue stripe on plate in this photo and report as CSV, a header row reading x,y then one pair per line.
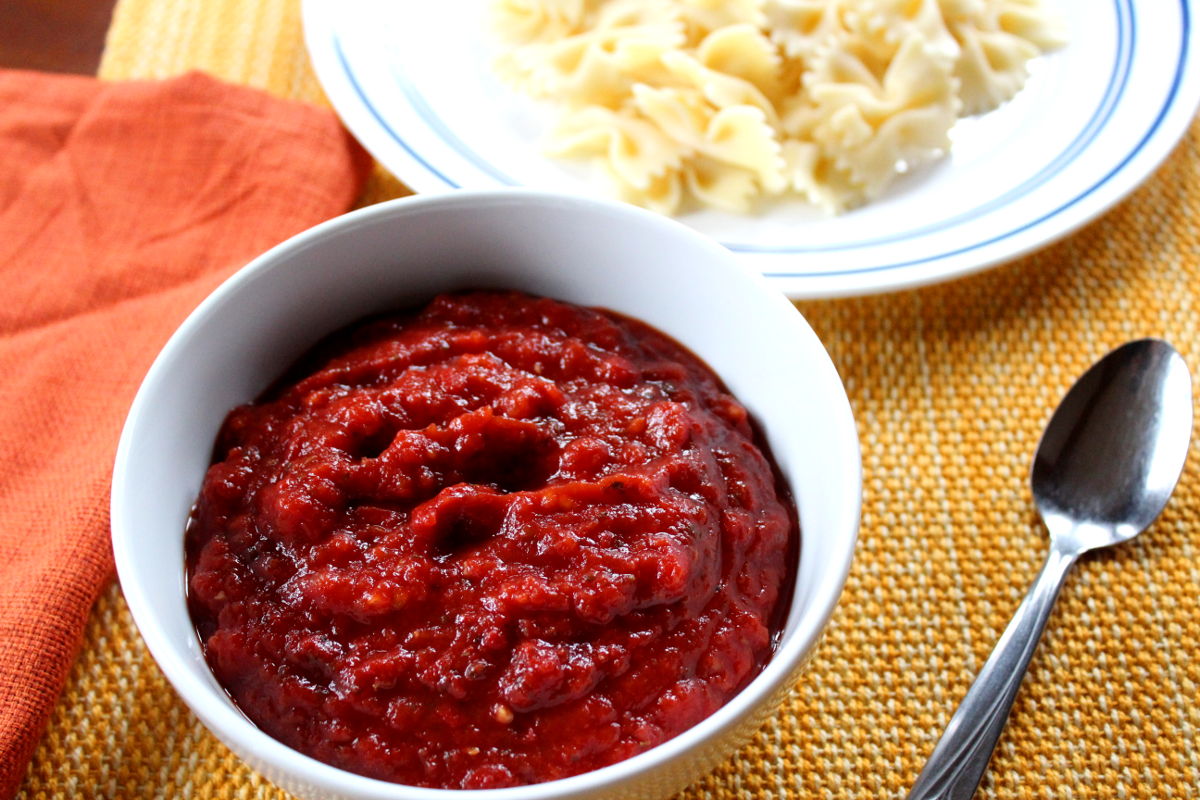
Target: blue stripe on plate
x,y
383,123
417,100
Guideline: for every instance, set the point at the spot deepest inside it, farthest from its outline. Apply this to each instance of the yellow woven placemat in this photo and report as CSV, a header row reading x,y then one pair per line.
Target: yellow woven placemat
x,y
950,386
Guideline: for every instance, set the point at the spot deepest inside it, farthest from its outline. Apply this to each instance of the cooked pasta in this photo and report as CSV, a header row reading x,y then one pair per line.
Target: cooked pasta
x,y
722,103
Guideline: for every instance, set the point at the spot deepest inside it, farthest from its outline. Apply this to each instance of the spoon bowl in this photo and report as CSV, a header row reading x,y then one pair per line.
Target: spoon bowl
x,y
1114,449
1106,464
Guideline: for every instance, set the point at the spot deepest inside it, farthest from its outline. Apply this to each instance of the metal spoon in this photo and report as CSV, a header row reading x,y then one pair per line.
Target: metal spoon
x,y
1107,462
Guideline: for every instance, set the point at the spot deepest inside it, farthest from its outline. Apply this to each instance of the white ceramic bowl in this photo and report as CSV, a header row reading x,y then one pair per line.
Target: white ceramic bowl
x,y
400,253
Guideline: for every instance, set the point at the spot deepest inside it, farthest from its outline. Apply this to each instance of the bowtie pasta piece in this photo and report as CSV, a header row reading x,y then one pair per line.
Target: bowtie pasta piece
x,y
637,151
532,20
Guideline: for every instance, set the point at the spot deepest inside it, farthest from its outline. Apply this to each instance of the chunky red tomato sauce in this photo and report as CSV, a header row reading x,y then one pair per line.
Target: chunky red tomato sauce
x,y
498,541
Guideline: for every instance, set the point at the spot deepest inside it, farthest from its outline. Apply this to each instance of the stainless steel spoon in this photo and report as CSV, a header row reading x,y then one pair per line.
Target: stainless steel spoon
x,y
1108,460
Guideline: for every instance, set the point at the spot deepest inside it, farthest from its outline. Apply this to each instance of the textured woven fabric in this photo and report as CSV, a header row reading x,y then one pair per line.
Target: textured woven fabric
x,y
121,206
950,386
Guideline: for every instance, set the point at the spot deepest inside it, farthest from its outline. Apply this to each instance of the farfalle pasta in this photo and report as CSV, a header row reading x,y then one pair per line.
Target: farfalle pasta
x,y
721,103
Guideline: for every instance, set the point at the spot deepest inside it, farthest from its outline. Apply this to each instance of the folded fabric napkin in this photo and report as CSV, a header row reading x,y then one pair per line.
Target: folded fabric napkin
x,y
121,206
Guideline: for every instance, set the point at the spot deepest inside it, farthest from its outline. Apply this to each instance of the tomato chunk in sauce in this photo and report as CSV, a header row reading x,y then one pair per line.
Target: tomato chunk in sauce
x,y
496,541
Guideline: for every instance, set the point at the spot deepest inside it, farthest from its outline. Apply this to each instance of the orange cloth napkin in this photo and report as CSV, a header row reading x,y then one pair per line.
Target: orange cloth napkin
x,y
121,206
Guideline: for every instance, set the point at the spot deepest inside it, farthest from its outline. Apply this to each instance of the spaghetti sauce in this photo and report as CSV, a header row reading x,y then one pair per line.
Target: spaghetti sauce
x,y
496,541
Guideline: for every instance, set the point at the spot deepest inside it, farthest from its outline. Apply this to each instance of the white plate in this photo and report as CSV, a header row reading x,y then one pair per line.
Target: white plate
x,y
412,80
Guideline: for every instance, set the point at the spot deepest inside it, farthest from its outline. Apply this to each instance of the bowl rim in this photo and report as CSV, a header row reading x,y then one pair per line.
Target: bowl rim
x,y
227,722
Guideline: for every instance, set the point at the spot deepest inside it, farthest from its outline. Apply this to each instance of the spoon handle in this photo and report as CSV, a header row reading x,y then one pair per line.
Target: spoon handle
x,y
954,770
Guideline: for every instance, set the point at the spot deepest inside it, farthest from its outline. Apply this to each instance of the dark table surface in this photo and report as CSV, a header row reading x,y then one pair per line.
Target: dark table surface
x,y
54,35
